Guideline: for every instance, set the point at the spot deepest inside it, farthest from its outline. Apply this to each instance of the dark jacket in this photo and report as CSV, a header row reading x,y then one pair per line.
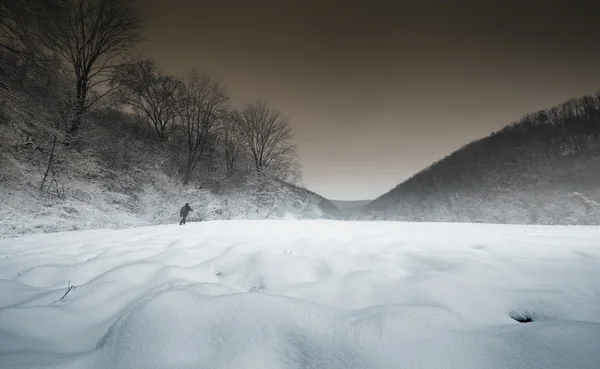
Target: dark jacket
x,y
185,210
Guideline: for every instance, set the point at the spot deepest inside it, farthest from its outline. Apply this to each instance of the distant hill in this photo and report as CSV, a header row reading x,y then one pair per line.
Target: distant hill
x,y
348,209
544,169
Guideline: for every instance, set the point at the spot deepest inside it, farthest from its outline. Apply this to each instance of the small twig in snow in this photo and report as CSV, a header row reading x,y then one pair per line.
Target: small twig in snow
x,y
69,288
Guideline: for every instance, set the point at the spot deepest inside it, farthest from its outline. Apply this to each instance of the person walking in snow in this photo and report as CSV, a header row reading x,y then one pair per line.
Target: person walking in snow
x,y
183,213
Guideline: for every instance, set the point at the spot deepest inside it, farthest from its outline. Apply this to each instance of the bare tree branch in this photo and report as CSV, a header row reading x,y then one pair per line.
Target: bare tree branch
x,y
151,93
268,137
204,104
91,36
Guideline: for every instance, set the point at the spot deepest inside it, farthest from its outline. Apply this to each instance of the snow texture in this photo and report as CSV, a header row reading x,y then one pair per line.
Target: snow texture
x,y
302,294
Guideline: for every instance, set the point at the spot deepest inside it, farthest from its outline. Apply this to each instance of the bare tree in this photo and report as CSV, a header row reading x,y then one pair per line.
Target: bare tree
x,y
204,103
92,36
231,143
151,94
20,23
12,25
287,168
31,92
60,115
36,101
268,136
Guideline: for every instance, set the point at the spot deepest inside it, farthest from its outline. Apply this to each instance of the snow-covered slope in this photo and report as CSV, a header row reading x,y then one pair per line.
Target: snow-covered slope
x,y
302,294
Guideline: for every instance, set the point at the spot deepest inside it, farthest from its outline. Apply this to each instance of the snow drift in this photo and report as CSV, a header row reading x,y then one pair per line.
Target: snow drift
x,y
302,294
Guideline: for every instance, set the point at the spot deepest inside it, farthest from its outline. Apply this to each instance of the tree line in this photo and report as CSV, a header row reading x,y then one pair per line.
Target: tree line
x,y
67,65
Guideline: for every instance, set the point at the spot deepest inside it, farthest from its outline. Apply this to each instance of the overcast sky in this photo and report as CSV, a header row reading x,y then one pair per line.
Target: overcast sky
x,y
378,90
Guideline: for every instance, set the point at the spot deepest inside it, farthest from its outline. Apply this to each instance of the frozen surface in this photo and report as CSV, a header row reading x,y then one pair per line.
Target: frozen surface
x,y
303,294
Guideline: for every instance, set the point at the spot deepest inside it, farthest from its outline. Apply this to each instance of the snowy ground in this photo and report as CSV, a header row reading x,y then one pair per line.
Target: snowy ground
x,y
302,294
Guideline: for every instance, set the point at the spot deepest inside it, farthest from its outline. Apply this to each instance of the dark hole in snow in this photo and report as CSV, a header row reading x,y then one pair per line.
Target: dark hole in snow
x,y
523,317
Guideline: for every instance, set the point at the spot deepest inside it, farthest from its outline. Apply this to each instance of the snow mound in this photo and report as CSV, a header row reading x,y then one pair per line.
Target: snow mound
x,y
303,294
186,330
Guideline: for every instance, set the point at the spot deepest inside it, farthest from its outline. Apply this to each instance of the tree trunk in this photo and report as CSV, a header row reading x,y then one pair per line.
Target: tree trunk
x,y
188,172
50,161
79,108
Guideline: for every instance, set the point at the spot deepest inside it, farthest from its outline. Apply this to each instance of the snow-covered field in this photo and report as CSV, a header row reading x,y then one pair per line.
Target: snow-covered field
x,y
302,294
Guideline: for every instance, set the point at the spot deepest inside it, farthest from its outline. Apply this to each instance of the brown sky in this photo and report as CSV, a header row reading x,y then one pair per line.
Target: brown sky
x,y
377,90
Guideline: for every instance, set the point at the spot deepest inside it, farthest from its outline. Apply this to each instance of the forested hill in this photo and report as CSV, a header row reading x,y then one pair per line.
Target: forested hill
x,y
543,169
95,137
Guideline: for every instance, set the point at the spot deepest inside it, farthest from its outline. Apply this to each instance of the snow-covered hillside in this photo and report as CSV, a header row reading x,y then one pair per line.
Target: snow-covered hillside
x,y
302,294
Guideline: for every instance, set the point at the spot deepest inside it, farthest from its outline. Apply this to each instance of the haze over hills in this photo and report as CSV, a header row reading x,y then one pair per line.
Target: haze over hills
x,y
542,169
349,208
